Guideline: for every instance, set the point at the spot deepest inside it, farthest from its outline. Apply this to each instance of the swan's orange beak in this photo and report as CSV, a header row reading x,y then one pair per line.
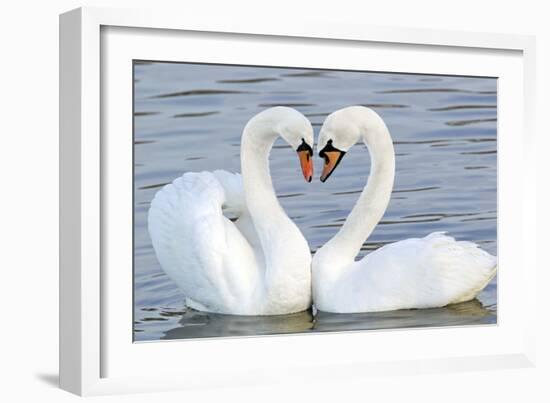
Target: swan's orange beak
x,y
332,157
306,162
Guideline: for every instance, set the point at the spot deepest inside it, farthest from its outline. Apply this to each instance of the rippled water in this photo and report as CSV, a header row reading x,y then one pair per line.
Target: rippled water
x,y
189,117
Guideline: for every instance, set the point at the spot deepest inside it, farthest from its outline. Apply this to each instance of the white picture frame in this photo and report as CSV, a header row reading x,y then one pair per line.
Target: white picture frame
x,y
97,355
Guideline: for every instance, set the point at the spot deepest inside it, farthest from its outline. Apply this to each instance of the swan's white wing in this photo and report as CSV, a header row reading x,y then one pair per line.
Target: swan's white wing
x,y
234,202
416,273
235,208
197,246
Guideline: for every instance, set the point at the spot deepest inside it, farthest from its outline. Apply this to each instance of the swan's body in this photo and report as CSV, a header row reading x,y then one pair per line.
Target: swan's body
x,y
260,264
427,272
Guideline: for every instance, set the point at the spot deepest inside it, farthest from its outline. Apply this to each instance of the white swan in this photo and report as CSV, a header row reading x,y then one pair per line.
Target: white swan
x,y
414,273
259,264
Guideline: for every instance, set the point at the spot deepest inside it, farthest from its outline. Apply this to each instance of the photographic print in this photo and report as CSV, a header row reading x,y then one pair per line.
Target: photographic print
x,y
277,200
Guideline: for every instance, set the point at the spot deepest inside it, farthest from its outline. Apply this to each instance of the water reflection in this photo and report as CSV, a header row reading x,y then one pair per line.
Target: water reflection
x,y
200,324
466,313
195,324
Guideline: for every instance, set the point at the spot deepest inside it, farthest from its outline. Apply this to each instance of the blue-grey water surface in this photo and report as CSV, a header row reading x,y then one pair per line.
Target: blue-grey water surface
x,y
189,117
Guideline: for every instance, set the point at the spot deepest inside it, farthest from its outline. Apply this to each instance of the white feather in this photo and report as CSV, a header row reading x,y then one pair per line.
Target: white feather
x,y
222,265
197,246
428,272
415,273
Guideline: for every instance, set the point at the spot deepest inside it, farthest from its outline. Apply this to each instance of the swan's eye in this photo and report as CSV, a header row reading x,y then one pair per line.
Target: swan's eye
x,y
332,157
305,147
327,148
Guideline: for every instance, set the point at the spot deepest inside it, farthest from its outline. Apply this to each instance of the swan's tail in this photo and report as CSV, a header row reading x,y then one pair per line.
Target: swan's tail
x,y
464,265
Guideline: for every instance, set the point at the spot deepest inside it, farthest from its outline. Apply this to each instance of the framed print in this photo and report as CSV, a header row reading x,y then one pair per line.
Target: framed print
x,y
240,199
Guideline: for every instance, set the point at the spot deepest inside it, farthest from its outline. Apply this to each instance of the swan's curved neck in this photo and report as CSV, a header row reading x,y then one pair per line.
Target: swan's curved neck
x,y
257,141
273,227
374,198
